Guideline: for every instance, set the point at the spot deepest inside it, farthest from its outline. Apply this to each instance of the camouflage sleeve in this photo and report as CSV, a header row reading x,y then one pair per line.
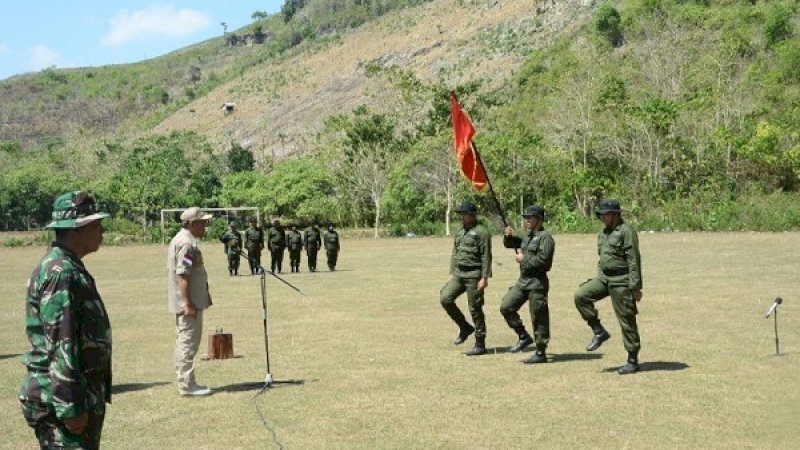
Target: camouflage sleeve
x,y
486,254
185,258
60,322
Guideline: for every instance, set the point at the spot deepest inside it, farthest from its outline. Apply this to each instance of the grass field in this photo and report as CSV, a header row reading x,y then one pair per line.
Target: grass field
x,y
369,349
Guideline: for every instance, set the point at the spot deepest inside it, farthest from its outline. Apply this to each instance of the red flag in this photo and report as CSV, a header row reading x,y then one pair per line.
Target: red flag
x,y
463,131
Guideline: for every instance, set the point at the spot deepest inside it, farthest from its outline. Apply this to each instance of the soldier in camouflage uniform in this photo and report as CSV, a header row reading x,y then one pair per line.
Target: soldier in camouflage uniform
x,y
68,383
332,247
254,243
294,242
312,241
470,269
535,259
620,276
276,240
233,248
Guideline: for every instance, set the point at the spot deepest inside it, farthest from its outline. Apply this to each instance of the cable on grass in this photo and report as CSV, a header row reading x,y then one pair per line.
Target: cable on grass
x,y
264,419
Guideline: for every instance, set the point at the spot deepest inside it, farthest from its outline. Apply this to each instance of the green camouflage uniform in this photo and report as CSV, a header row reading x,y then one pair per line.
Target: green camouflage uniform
x,y
254,243
69,365
312,239
471,261
332,248
537,249
233,248
276,240
619,273
294,241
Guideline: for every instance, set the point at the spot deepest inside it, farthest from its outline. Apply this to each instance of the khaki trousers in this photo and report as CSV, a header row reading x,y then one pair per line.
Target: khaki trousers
x,y
189,332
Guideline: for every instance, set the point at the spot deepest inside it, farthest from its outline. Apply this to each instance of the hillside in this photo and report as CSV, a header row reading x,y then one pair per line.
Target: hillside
x,y
281,106
281,96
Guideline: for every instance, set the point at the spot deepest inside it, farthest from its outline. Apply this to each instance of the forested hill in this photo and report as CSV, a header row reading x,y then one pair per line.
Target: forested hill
x,y
685,110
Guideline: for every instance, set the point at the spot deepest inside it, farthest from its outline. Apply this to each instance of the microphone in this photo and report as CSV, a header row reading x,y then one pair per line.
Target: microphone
x,y
774,306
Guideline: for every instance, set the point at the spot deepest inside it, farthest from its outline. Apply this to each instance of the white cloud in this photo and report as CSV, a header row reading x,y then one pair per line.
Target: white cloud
x,y
154,22
4,48
41,57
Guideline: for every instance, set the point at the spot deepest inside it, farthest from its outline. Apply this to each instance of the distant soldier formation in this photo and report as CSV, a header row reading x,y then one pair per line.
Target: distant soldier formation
x,y
277,239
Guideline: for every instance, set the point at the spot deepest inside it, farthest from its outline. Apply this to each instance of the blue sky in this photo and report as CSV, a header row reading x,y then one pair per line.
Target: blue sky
x,y
44,33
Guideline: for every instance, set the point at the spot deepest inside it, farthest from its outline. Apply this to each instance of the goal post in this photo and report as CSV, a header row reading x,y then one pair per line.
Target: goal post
x,y
166,211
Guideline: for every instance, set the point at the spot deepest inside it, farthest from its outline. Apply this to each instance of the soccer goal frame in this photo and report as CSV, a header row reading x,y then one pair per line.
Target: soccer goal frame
x,y
166,211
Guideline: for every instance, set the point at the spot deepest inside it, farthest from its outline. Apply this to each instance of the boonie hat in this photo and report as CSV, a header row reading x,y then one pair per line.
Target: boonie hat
x,y
74,210
607,206
194,214
467,207
534,210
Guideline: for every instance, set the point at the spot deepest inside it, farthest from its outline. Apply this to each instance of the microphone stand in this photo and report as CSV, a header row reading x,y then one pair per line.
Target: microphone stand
x,y
268,380
777,345
773,310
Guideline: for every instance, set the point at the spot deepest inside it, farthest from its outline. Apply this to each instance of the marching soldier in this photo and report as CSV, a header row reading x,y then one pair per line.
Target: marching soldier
x,y
332,247
294,241
619,276
470,270
311,242
535,259
64,394
254,243
276,238
233,248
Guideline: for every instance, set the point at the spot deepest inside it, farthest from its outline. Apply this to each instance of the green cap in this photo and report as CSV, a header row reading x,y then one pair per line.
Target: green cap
x,y
74,210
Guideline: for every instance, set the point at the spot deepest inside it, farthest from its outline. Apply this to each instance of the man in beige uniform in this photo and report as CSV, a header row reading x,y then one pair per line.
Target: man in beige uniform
x,y
188,296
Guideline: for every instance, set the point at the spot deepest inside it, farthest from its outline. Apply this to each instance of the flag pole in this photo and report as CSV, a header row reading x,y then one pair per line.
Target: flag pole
x,y
489,183
477,153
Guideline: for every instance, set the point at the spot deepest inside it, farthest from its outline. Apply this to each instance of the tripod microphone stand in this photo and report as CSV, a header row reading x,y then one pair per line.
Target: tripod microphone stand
x,y
268,380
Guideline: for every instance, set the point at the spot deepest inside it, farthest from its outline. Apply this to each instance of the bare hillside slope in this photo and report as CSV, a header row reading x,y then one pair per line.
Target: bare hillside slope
x,y
279,107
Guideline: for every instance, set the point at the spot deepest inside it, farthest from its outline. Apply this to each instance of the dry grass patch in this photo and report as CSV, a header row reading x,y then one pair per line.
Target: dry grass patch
x,y
372,348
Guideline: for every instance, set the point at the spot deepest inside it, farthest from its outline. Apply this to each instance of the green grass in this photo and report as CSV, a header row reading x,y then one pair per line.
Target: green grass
x,y
373,348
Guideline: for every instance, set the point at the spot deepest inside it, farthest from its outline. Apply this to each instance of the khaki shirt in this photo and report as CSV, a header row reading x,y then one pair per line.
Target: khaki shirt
x,y
184,258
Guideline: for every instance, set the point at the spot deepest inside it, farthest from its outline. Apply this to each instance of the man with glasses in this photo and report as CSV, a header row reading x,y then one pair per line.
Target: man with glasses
x,y
68,383
188,296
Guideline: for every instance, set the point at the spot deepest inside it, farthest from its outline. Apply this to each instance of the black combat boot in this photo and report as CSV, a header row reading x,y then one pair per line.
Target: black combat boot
x,y
463,334
539,357
600,336
479,349
631,366
525,340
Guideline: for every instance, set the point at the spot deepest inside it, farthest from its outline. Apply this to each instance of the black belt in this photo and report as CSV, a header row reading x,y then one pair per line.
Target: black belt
x,y
469,268
614,273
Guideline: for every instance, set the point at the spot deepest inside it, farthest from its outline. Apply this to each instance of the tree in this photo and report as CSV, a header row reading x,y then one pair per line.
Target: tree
x,y
607,23
259,15
370,150
240,159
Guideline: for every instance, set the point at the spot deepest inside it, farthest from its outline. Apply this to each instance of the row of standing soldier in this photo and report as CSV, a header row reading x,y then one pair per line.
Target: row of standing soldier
x,y
619,276
277,241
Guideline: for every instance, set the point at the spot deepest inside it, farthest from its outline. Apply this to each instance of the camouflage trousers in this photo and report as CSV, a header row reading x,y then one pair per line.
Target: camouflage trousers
x,y
52,434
